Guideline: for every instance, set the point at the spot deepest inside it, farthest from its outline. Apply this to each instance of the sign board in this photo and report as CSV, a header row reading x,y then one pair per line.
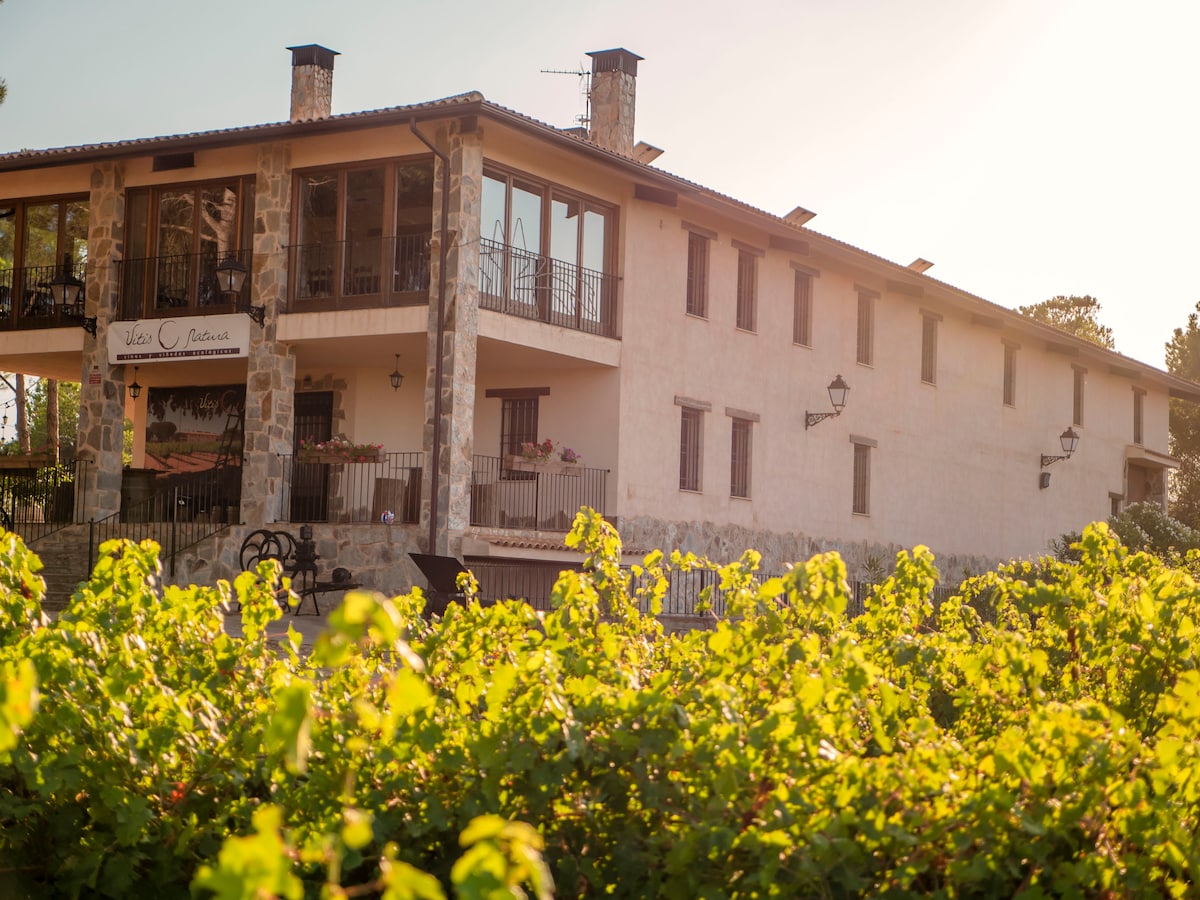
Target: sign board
x,y
182,339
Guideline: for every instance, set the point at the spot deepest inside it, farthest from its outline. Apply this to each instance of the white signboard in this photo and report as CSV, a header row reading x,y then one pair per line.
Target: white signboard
x,y
187,338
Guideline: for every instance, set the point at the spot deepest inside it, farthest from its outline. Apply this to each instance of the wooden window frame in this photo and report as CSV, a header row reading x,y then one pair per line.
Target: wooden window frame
x,y
802,307
1078,389
698,254
1139,412
741,454
865,331
691,448
1009,387
929,342
747,291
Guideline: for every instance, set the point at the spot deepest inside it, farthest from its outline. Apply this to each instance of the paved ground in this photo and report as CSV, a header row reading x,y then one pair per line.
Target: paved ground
x,y
309,626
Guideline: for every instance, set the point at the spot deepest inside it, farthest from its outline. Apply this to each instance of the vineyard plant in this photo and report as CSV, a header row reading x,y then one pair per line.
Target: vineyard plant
x,y
1037,735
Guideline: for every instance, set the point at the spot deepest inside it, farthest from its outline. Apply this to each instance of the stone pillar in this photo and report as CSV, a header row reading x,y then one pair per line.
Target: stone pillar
x,y
462,142
271,367
102,387
613,94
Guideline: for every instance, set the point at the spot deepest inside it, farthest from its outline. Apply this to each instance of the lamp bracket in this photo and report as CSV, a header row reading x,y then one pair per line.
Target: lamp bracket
x,y
1051,460
811,419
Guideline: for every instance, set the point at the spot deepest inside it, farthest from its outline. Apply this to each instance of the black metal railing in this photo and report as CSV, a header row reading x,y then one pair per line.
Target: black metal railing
x,y
180,512
390,271
532,286
502,497
182,284
26,301
328,489
39,500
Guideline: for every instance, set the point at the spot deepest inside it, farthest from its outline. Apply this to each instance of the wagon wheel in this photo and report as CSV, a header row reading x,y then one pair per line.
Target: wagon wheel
x,y
259,545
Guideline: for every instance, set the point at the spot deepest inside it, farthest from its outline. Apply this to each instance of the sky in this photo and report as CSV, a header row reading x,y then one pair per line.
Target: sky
x,y
1028,148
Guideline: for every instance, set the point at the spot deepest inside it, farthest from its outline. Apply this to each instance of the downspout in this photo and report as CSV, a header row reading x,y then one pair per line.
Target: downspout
x,y
435,461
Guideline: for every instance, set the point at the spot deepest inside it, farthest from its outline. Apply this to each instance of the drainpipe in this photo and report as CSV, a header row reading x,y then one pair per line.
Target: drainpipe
x,y
435,474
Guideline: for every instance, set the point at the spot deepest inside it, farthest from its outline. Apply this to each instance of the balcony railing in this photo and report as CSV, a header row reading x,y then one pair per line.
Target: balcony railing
x,y
325,490
532,286
390,271
25,300
544,501
35,502
179,285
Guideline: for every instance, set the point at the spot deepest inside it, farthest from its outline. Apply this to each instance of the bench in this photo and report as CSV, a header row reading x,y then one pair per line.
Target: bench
x,y
299,560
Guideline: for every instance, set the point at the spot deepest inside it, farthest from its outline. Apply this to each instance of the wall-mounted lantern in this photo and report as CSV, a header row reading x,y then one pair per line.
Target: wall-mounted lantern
x,y
838,390
135,389
67,291
1069,440
231,277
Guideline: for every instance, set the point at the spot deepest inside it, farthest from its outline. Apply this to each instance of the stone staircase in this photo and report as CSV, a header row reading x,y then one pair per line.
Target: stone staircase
x,y
64,554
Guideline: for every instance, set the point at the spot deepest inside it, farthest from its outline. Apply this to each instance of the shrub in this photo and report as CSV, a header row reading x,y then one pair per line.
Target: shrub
x,y
790,751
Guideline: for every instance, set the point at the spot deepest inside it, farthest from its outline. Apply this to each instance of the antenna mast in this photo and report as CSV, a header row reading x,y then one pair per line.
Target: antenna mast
x,y
585,88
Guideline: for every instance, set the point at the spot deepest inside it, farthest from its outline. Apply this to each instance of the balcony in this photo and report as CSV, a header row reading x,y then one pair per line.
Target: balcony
x,y
330,490
179,285
25,300
532,286
391,271
532,500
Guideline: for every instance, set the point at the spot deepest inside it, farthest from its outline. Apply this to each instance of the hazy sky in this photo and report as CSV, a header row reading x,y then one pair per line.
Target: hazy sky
x,y
1028,148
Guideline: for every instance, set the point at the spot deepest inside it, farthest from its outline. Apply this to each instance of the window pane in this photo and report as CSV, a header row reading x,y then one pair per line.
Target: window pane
x,y
802,313
41,235
364,230
697,275
564,249
317,232
492,201
218,221
525,238
929,350
747,290
176,231
75,230
862,479
689,449
8,236
595,248
866,329
739,459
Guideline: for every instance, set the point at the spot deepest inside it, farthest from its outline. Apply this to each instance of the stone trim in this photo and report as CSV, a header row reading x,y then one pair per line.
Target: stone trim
x,y
735,413
692,403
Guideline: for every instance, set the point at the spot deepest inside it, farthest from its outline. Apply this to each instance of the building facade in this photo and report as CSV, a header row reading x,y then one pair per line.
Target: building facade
x,y
527,283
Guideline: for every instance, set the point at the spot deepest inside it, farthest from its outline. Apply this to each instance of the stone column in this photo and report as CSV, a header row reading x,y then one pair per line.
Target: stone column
x,y
271,367
462,142
102,387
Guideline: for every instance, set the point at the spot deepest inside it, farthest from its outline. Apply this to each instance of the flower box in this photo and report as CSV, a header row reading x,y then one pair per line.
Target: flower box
x,y
547,467
335,459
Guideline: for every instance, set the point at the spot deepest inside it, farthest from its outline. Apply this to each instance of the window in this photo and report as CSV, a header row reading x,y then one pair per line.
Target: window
x,y
690,448
739,458
802,291
174,237
35,236
518,424
747,290
1139,397
544,253
1077,395
363,233
861,489
697,275
1114,503
1010,374
929,331
866,327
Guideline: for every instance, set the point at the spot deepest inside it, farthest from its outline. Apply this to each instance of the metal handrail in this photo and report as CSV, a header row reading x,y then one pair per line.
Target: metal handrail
x,y
331,489
392,270
39,500
25,299
180,515
181,284
534,286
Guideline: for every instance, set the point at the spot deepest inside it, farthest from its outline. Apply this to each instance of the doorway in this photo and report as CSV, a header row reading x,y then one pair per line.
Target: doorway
x,y
310,481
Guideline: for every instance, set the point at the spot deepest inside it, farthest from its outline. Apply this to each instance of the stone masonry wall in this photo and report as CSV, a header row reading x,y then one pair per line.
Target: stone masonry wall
x,y
102,387
271,367
463,146
726,543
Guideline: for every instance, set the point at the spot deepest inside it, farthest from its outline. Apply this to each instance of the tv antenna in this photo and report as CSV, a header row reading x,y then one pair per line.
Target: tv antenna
x,y
583,120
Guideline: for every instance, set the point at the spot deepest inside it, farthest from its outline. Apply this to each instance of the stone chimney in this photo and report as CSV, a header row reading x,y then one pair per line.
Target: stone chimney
x,y
614,83
312,82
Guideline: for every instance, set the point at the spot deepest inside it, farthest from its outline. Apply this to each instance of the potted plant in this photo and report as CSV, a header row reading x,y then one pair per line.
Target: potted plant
x,y
544,456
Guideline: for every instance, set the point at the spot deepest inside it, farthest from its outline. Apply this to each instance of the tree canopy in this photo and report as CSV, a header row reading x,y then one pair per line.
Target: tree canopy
x,y
1074,314
1183,359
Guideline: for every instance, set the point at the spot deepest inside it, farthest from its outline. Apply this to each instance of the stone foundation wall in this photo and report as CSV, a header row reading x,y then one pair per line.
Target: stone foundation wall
x,y
726,543
376,555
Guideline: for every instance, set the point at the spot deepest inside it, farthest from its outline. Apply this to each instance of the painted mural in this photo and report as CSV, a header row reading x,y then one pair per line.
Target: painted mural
x,y
191,429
